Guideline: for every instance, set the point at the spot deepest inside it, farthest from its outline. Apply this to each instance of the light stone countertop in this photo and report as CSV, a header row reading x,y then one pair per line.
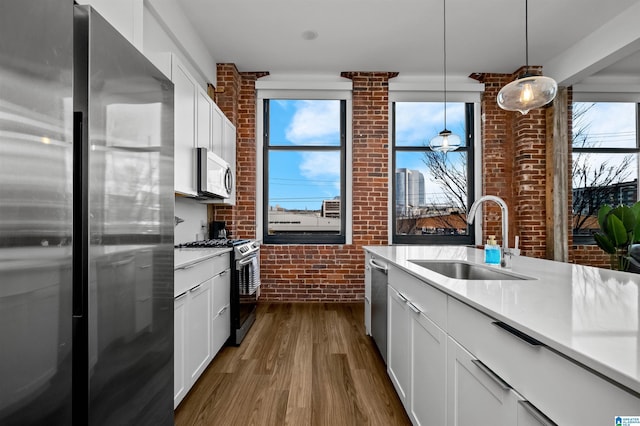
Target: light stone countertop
x,y
187,256
590,315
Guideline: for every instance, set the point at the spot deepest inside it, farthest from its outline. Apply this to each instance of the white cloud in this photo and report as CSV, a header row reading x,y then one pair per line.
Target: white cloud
x,y
315,123
418,122
610,124
323,167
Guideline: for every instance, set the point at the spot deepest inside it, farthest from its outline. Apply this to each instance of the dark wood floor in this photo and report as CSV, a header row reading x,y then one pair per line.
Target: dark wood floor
x,y
300,364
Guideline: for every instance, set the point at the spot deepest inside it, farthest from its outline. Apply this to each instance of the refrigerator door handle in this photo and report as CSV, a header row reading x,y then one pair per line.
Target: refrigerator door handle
x,y
78,247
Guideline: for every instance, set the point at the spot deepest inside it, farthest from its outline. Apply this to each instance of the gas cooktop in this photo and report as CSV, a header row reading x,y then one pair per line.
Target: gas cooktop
x,y
213,243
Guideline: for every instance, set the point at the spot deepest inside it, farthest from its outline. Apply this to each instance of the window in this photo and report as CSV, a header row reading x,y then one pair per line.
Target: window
x,y
604,162
304,171
431,190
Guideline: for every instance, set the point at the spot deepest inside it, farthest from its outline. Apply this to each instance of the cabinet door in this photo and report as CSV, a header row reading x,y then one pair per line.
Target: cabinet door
x,y
398,338
217,127
199,329
203,122
428,371
184,129
367,295
221,316
180,385
475,395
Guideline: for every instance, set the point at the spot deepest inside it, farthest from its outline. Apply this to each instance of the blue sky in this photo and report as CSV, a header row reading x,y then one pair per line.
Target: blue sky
x,y
302,179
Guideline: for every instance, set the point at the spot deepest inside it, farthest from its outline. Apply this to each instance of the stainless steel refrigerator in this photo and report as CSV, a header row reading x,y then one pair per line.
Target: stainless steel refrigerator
x,y
86,222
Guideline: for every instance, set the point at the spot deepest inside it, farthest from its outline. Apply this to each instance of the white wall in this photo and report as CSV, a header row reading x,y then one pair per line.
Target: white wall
x,y
167,29
194,215
159,26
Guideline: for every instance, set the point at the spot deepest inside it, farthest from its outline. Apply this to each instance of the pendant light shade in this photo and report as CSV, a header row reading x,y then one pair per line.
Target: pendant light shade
x,y
445,141
529,91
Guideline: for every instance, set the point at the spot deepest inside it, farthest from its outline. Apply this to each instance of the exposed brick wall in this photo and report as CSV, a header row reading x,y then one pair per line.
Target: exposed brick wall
x,y
370,156
590,255
313,272
235,95
514,168
336,272
497,157
530,181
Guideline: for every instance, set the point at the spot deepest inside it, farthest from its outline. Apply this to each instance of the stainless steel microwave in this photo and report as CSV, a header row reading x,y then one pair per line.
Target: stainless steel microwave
x,y
215,179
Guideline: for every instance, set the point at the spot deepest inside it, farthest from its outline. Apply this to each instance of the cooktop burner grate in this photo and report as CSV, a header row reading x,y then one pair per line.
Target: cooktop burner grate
x,y
217,242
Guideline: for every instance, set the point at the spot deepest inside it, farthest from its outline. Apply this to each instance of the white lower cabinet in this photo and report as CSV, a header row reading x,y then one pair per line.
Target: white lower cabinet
x,y
202,321
192,337
198,329
179,348
428,371
476,396
417,359
398,338
220,314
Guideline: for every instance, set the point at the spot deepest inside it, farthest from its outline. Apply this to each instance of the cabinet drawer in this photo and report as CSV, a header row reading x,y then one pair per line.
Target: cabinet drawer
x,y
187,277
221,263
563,390
432,302
221,290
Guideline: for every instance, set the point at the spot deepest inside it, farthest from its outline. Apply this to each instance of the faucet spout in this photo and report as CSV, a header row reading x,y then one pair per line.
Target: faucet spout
x,y
505,223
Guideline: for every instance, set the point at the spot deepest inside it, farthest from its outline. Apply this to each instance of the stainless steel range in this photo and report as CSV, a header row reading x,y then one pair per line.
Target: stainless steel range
x,y
245,282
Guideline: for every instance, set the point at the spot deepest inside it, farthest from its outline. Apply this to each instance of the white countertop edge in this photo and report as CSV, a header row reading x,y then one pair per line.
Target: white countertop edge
x,y
184,257
444,284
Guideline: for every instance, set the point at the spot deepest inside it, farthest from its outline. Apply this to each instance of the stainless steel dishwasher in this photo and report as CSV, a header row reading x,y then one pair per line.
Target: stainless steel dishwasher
x,y
379,305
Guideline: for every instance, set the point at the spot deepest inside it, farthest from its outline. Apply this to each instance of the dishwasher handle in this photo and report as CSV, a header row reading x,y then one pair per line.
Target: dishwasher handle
x,y
378,266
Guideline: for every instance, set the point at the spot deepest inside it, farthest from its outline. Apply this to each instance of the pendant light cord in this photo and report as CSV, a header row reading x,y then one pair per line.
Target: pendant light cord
x,y
526,35
444,48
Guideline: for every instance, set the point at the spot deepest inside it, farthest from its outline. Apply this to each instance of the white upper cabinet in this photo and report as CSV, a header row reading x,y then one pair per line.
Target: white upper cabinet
x,y
184,95
203,121
217,120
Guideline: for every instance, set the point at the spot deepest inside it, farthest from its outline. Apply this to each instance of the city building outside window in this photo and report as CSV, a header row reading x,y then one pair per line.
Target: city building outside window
x,y
604,169
431,190
304,171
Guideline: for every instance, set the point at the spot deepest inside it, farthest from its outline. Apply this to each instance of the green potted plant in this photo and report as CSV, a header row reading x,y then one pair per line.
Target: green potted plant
x,y
619,229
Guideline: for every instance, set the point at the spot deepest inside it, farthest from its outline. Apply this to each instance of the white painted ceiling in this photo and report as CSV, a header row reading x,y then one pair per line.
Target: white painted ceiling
x,y
400,35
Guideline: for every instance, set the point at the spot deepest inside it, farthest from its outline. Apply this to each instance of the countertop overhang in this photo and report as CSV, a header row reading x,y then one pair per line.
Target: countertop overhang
x,y
590,315
183,257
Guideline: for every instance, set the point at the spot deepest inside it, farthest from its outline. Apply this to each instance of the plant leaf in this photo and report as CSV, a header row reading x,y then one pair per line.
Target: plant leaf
x,y
617,230
636,209
602,216
626,215
636,234
604,243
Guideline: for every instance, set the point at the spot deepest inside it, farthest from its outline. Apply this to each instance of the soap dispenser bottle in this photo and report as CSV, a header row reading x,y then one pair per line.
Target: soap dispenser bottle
x,y
492,251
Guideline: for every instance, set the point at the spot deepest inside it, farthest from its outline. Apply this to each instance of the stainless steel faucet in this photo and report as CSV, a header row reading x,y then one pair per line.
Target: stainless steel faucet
x,y
505,257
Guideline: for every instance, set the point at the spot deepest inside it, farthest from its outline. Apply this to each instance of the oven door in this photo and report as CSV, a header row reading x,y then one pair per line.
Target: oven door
x,y
247,287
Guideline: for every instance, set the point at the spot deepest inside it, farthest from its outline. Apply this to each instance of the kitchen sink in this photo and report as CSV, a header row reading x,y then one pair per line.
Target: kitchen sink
x,y
467,271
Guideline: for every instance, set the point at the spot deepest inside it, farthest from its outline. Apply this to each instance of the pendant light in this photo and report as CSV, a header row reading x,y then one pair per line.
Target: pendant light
x,y
528,91
445,141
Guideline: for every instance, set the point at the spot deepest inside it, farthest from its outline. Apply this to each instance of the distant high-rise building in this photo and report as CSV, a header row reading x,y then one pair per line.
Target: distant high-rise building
x,y
410,188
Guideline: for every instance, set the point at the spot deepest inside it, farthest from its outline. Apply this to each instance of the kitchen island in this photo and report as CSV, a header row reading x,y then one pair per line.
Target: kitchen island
x,y
578,318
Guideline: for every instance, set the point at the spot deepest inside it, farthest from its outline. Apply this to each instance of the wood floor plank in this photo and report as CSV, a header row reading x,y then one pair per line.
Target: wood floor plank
x,y
302,364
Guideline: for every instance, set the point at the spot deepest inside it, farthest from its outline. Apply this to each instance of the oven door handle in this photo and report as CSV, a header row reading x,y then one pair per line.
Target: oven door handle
x,y
245,261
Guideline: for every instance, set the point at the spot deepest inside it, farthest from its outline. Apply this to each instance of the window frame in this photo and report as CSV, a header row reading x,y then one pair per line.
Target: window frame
x,y
298,238
588,239
469,148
